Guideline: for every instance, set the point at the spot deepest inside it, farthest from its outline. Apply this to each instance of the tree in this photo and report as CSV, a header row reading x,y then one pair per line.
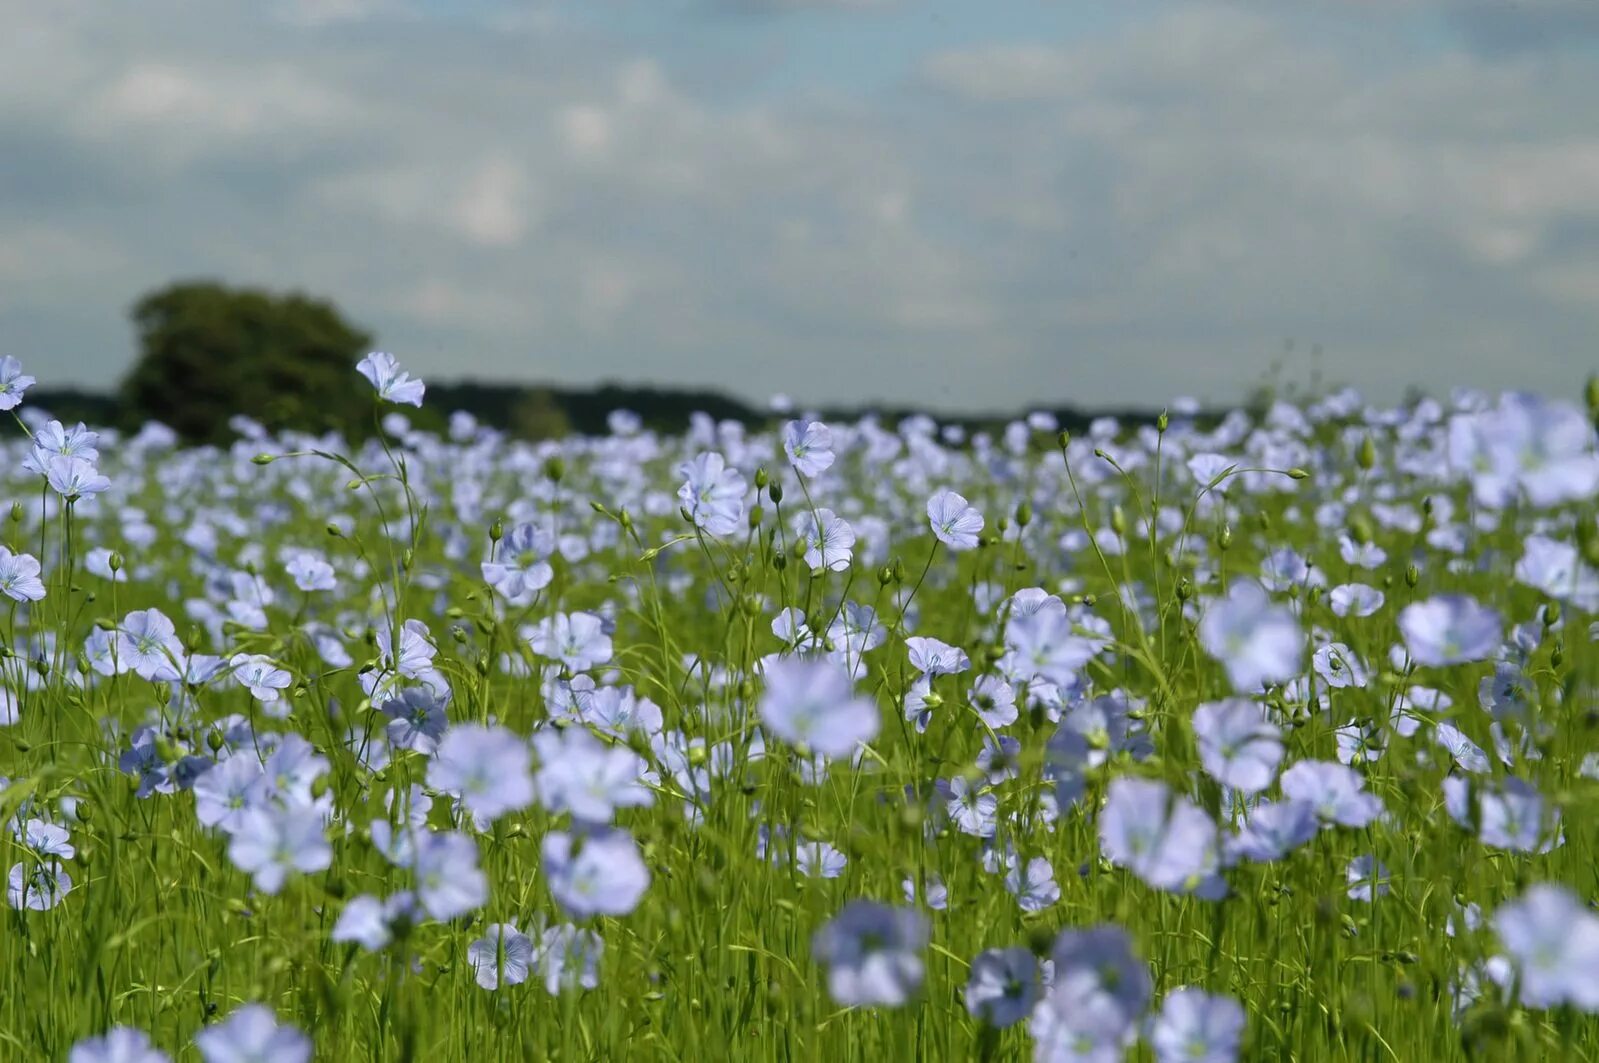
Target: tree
x,y
208,352
538,415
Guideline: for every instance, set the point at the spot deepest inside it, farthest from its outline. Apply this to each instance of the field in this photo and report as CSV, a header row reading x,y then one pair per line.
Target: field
x,y
1268,736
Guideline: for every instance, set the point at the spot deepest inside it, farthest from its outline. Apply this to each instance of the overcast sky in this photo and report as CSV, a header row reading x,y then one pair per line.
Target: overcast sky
x,y
965,204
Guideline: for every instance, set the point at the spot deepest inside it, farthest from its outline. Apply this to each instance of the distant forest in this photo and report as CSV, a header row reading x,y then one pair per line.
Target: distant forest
x,y
546,412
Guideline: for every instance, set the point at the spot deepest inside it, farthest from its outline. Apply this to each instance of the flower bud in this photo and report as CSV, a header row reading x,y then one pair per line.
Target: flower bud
x,y
1024,514
762,477
1118,520
16,512
775,493
1366,456
334,531
756,514
1297,473
555,468
1412,575
1162,422
1224,538
496,531
262,459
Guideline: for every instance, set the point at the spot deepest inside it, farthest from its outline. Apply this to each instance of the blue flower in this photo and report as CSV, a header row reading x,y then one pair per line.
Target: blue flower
x,y
812,703
271,841
487,769
954,522
37,885
1450,629
393,384
1336,792
72,477
1256,641
19,577
809,446
1552,942
1002,986
449,882
873,954
251,1034
712,493
502,955
120,1044
13,382
1197,1027
595,874
1163,838
1238,745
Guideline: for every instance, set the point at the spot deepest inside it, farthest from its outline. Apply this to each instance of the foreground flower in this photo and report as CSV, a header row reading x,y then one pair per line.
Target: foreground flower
x,y
1097,995
272,841
827,539
1450,629
449,882
37,886
393,384
954,523
812,703
873,954
19,577
1238,745
487,769
1162,837
596,874
72,478
13,382
251,1034
372,923
1197,1027
1003,986
1552,942
121,1044
712,493
1257,641
502,954
809,446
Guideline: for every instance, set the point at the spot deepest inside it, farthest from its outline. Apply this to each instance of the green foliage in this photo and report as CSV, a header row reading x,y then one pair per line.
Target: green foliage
x,y
538,415
208,352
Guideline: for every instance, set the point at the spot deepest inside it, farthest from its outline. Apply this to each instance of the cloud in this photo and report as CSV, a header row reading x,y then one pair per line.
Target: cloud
x,y
1117,216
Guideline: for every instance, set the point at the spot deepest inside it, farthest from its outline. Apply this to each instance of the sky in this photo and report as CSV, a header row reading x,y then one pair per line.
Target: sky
x,y
959,205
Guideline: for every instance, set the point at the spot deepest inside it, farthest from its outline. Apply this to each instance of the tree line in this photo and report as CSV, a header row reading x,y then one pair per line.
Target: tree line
x,y
208,352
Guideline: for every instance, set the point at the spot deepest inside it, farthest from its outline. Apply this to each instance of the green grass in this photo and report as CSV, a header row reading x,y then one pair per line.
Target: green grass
x,y
162,932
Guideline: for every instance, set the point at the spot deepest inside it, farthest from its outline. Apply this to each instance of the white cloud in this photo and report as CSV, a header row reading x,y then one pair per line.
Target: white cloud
x,y
1111,219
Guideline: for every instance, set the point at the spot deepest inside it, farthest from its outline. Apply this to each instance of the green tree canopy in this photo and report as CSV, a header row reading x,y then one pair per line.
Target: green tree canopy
x,y
208,352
